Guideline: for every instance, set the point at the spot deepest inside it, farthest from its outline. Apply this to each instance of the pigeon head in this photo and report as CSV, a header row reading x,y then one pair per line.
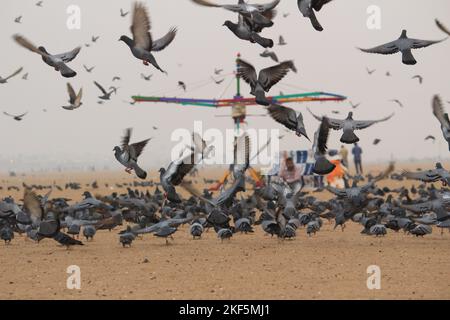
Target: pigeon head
x,y
438,165
116,149
127,40
403,35
42,49
350,115
230,25
162,171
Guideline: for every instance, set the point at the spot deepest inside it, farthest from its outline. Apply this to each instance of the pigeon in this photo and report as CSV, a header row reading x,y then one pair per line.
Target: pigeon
x,y
369,71
116,78
418,77
146,78
267,78
95,38
254,12
25,76
224,233
217,81
322,166
354,105
376,141
182,85
89,70
281,41
18,19
5,80
142,44
285,15
403,45
123,14
287,117
218,71
57,61
39,3
128,154
442,27
398,102
348,125
442,116
74,99
244,31
429,176
106,95
430,137
16,117
307,8
269,54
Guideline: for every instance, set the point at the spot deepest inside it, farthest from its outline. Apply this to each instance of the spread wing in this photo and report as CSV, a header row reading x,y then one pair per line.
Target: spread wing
x,y
126,137
284,115
362,124
247,72
15,73
425,176
162,43
417,44
31,204
72,93
324,131
100,87
137,148
387,48
334,124
442,27
438,111
140,27
69,56
28,45
270,76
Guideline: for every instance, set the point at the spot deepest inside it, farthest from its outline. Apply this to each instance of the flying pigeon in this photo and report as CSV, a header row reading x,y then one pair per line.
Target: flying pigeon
x,y
376,141
25,76
269,54
123,14
95,38
370,72
106,95
5,80
116,78
218,71
128,154
18,19
182,85
255,12
146,78
418,77
89,70
243,30
398,102
403,45
442,27
39,3
322,166
267,78
18,117
74,99
218,81
307,8
354,105
281,41
287,117
57,61
348,125
430,137
142,44
442,116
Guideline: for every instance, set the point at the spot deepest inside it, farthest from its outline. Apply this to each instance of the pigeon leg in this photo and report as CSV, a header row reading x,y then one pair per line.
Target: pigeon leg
x,y
145,62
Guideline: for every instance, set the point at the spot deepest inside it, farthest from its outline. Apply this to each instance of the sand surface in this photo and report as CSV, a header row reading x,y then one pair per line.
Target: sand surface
x,y
330,265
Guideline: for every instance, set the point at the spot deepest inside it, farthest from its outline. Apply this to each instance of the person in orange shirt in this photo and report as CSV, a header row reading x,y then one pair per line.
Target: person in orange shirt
x,y
336,177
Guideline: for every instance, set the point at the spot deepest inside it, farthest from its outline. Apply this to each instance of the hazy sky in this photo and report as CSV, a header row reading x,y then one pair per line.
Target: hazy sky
x,y
327,61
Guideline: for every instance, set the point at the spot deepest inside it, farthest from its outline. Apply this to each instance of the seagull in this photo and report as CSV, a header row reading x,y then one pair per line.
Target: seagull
x,y
322,166
281,41
18,19
397,102
18,117
419,77
147,78
106,95
269,54
370,72
348,125
255,12
142,44
89,70
442,27
123,14
403,45
57,61
182,85
442,116
128,154
287,117
74,99
267,78
5,80
307,8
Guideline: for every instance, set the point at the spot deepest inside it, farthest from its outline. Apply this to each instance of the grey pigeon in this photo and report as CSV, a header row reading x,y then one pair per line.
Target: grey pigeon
x,y
16,117
307,8
403,45
418,77
39,3
398,102
106,95
57,61
74,99
142,44
348,125
442,116
146,78
18,19
281,41
123,14
225,233
5,80
287,117
269,54
266,79
322,166
429,176
88,70
128,154
255,12
244,31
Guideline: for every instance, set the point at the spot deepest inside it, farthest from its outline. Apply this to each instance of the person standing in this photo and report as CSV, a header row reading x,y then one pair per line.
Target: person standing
x,y
344,155
357,151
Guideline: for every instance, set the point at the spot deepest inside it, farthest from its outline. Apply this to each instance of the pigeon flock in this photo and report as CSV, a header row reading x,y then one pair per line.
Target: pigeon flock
x,y
243,203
